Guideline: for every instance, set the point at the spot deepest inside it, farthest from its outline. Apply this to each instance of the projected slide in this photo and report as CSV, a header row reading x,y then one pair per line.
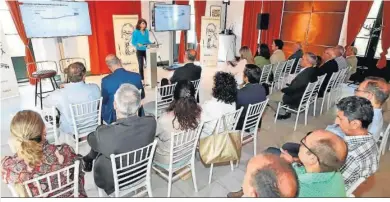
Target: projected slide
x,y
55,19
172,17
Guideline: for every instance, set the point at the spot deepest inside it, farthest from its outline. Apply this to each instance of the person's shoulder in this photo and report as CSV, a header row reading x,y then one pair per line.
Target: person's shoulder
x,y
148,120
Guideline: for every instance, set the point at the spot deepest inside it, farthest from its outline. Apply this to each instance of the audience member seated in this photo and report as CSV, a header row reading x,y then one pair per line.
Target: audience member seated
x,y
278,55
112,82
252,92
128,133
75,92
269,176
321,155
376,90
292,94
341,61
354,115
183,114
352,60
262,56
238,69
298,53
223,101
328,68
189,71
35,156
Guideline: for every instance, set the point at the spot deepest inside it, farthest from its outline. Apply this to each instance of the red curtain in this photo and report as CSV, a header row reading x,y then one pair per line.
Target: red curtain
x,y
102,42
275,10
249,29
200,10
182,45
385,34
357,14
17,18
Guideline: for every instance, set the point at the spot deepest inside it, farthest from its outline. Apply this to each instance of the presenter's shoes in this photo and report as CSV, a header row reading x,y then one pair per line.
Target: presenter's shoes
x,y
237,194
85,165
282,117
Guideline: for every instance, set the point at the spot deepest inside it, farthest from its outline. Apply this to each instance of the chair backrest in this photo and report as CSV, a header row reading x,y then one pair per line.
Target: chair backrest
x,y
56,184
86,117
332,80
132,168
196,86
41,65
298,66
253,115
354,186
383,142
50,120
164,97
265,73
307,94
339,78
183,146
229,121
278,74
317,88
64,63
289,65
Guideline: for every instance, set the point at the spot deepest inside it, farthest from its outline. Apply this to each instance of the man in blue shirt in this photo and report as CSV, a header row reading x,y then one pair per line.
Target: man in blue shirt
x,y
112,82
74,92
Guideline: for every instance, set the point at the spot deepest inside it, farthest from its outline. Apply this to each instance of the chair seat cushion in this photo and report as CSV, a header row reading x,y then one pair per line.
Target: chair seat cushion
x,y
42,74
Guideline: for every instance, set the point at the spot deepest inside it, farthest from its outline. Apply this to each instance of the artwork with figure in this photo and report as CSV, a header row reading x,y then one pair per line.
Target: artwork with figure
x,y
124,26
125,46
211,33
210,41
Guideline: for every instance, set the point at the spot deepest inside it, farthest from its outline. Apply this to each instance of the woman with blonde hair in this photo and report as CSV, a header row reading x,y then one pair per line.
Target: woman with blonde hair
x,y
237,70
35,156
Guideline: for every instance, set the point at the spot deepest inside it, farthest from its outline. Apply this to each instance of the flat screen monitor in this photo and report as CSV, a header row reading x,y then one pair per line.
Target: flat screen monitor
x,y
172,17
55,19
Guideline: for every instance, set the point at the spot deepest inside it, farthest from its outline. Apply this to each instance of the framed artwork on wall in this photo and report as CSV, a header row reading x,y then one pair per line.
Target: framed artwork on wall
x,y
215,11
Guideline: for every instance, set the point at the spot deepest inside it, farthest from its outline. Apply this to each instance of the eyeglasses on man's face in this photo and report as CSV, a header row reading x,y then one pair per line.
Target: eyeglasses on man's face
x,y
303,140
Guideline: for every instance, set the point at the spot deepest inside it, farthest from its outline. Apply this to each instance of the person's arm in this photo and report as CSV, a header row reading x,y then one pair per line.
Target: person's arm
x,y
93,142
52,100
297,84
350,172
134,39
141,87
104,93
174,78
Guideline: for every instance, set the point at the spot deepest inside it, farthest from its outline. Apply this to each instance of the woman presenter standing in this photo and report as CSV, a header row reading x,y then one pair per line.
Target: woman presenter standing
x,y
139,41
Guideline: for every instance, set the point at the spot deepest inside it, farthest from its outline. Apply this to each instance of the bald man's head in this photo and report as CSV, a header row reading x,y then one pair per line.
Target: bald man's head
x,y
113,62
339,50
268,175
191,55
326,147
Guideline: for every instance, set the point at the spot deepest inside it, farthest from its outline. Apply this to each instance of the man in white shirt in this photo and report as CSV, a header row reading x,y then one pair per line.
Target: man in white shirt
x,y
341,61
278,55
75,92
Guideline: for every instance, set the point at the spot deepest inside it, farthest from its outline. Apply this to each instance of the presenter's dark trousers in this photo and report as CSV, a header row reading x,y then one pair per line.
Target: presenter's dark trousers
x,y
141,57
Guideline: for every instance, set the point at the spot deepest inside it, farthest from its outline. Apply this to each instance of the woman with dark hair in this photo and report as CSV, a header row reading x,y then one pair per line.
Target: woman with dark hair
x,y
182,114
277,55
223,101
263,55
140,40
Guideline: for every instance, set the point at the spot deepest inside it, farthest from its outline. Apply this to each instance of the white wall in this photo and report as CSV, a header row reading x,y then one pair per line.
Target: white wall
x,y
234,18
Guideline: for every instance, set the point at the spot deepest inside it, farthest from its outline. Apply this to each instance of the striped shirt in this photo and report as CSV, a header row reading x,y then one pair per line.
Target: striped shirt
x,y
362,160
